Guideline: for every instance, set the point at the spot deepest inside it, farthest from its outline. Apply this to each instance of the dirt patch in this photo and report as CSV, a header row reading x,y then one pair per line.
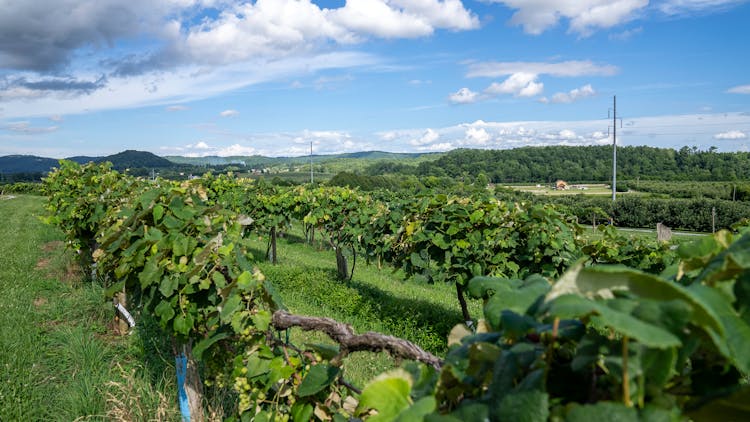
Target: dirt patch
x,y
59,263
43,264
53,246
39,302
73,273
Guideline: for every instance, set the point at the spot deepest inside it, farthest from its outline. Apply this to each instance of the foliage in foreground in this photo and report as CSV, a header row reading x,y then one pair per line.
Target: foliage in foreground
x,y
601,342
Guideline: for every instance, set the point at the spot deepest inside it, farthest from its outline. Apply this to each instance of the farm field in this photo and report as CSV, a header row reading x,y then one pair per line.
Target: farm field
x,y
56,347
575,189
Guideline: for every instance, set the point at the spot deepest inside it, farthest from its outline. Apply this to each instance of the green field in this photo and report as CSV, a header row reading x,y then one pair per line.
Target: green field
x,y
582,189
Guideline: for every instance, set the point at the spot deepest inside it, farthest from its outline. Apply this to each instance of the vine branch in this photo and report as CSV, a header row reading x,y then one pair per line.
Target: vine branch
x,y
344,335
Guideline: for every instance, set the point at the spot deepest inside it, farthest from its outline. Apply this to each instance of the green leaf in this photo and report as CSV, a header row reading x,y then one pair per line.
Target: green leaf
x,y
219,279
158,213
151,272
602,411
183,324
573,306
327,351
388,394
319,377
736,339
164,311
524,406
168,286
245,281
261,320
302,412
148,197
603,281
230,305
113,289
417,411
207,342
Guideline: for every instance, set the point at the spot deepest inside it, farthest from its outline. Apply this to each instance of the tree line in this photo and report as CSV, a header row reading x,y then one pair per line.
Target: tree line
x,y
586,164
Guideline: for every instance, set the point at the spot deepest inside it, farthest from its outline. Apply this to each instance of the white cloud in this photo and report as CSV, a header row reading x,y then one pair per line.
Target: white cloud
x,y
518,84
428,137
584,16
178,107
236,149
571,68
25,128
731,135
275,28
199,145
464,96
741,89
229,113
190,49
477,136
626,34
677,7
574,95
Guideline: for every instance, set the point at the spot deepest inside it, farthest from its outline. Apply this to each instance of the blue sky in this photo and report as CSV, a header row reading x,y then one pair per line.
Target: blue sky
x,y
225,77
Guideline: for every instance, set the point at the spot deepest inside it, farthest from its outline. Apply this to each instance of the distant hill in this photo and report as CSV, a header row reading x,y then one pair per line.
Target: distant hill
x,y
82,159
12,164
262,161
137,159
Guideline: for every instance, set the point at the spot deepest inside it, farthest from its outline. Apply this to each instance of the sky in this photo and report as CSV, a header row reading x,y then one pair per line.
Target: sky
x,y
273,77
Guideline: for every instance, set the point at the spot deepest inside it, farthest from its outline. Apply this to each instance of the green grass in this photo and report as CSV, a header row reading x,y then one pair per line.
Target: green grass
x,y
374,300
57,359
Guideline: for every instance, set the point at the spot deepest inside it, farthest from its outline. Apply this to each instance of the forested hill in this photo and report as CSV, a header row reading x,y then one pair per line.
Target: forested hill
x,y
590,163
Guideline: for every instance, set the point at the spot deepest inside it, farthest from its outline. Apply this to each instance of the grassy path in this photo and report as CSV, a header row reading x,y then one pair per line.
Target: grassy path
x,y
57,360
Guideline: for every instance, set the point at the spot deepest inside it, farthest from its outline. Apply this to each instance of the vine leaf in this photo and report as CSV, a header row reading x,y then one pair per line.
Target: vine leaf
x,y
319,377
573,306
388,394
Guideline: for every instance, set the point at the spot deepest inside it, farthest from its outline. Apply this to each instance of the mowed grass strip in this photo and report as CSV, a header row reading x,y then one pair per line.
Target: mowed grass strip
x,y
58,360
375,299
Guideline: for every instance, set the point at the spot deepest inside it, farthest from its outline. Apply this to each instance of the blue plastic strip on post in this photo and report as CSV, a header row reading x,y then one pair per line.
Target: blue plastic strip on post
x,y
181,367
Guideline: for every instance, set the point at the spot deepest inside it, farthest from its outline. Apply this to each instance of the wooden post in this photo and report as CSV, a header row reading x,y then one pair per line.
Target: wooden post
x,y
189,385
121,324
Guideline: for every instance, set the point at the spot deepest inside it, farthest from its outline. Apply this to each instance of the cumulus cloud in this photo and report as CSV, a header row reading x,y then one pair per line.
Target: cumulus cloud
x,y
657,131
464,96
584,16
229,113
179,41
571,96
428,137
518,84
741,89
522,79
278,27
731,135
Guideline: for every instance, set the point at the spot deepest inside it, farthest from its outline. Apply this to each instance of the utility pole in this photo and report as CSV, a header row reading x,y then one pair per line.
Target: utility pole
x,y
311,164
614,147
